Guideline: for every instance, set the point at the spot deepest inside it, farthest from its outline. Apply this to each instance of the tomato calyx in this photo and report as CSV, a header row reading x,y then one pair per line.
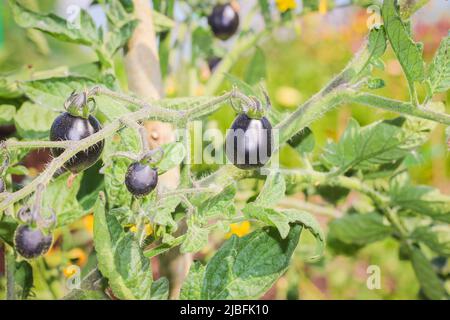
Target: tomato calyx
x,y
80,104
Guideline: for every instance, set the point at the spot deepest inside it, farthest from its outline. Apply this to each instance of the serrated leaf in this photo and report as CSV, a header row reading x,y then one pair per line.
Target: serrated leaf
x,y
115,171
283,219
409,54
196,239
62,199
7,113
273,191
33,122
164,210
359,229
429,281
160,289
377,43
309,222
423,200
437,238
439,71
7,228
245,268
379,143
256,70
192,285
119,38
82,30
174,154
23,279
120,258
51,93
214,205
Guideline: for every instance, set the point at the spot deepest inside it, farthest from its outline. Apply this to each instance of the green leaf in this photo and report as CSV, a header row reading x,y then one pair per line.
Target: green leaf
x,y
82,30
7,113
51,93
256,70
421,199
241,85
409,54
272,192
174,154
17,170
377,43
23,279
115,171
119,38
436,237
283,219
9,89
379,143
439,71
62,199
245,268
33,122
408,7
265,10
164,210
359,229
192,285
196,238
7,228
120,258
162,22
202,43
429,281
309,222
268,216
220,204
160,289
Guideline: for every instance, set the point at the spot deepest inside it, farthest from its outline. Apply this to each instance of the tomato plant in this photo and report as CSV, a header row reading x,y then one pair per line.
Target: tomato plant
x,y
117,161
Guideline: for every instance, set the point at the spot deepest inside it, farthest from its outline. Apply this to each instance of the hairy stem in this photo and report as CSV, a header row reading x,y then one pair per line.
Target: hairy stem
x,y
10,261
399,107
13,144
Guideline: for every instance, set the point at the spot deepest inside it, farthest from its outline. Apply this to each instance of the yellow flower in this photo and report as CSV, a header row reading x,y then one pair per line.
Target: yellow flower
x,y
148,229
323,6
88,222
239,229
285,5
69,271
78,255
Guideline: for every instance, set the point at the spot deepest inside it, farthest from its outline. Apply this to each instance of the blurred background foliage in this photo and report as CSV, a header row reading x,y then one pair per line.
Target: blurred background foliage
x,y
298,59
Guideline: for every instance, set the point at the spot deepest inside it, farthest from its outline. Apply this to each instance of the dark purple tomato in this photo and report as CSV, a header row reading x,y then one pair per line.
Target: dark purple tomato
x,y
141,179
213,62
224,21
249,142
68,127
31,243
